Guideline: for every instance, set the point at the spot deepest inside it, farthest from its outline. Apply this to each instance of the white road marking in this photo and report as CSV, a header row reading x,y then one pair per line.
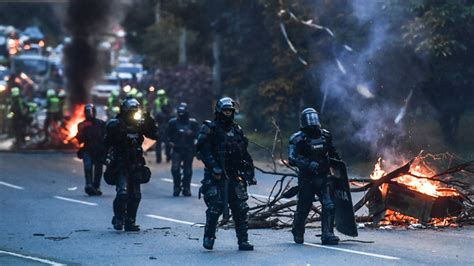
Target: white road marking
x,y
306,243
169,180
45,261
353,251
173,220
76,201
11,185
77,159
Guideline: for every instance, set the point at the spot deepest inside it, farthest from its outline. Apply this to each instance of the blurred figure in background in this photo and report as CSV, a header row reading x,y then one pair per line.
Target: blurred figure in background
x,y
19,117
162,114
182,133
90,136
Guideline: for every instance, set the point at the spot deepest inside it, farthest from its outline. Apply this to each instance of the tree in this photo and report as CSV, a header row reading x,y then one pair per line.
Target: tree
x,y
442,35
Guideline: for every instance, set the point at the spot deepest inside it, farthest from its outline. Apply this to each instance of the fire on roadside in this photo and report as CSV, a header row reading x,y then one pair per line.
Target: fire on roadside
x,y
418,181
77,116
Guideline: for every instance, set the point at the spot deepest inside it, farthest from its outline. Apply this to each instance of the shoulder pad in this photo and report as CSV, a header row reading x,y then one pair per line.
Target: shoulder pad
x,y
192,120
238,127
113,122
172,120
325,133
206,127
297,137
208,123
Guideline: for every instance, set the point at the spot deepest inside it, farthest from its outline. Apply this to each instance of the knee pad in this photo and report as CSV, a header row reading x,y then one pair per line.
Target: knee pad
x,y
136,196
328,205
243,208
122,196
214,211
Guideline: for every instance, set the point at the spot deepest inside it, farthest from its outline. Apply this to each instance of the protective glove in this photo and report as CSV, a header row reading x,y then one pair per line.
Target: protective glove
x,y
313,166
217,172
252,181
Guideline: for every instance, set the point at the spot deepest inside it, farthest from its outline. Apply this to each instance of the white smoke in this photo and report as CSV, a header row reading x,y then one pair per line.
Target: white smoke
x,y
350,82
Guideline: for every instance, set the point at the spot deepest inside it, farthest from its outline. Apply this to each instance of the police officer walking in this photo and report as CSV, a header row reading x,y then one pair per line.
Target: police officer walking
x,y
222,146
310,150
182,132
91,134
126,169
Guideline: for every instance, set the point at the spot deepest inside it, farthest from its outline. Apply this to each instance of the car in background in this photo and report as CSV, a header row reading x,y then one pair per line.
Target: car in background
x,y
103,88
129,69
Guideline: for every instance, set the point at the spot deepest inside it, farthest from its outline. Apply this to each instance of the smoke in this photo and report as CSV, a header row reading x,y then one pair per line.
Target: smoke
x,y
360,82
87,22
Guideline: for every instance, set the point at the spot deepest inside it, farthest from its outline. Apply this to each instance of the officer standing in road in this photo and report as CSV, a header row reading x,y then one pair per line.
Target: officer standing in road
x,y
310,149
162,114
113,104
126,165
182,133
90,135
53,110
19,115
222,146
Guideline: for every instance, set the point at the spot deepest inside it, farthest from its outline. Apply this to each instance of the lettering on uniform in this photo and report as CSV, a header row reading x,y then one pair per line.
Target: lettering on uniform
x,y
132,135
341,194
319,146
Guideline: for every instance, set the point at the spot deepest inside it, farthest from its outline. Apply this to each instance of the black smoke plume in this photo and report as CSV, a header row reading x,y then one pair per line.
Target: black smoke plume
x,y
86,20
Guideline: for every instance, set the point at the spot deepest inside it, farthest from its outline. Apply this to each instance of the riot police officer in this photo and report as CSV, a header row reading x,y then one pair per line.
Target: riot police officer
x,y
310,150
182,132
90,134
222,146
126,165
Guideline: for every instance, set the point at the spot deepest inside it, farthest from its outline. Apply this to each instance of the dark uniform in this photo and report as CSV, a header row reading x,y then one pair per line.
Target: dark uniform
x,y
222,146
124,138
91,134
182,132
310,150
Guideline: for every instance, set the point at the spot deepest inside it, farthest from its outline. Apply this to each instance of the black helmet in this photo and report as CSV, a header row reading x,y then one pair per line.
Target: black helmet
x,y
182,111
89,111
309,118
182,108
225,103
129,105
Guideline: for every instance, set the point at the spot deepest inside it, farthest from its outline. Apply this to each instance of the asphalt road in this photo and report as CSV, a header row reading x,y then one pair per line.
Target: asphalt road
x,y
45,218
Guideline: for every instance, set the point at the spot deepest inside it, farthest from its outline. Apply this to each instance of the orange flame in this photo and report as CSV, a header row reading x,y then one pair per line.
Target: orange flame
x,y
423,185
71,125
426,186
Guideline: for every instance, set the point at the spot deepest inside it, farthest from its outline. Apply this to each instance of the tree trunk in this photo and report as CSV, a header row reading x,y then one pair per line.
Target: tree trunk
x,y
216,67
182,46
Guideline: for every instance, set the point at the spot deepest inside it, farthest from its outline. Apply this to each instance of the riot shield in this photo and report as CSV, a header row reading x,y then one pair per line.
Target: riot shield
x,y
345,220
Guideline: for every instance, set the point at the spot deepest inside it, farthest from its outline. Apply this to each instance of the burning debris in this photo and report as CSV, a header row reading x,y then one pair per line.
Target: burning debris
x,y
414,195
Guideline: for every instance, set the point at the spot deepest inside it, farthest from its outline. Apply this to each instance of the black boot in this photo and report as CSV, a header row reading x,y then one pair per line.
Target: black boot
x,y
130,225
176,191
298,236
117,223
98,192
298,228
327,228
244,244
89,188
187,192
208,242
